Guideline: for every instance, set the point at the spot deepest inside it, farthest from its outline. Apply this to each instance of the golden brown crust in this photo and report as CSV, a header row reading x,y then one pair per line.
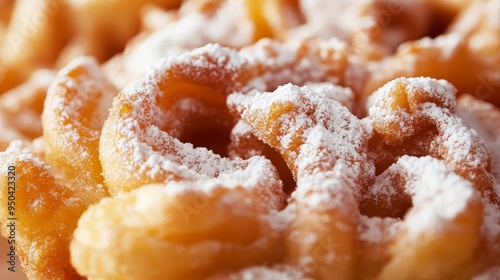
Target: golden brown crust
x,y
290,139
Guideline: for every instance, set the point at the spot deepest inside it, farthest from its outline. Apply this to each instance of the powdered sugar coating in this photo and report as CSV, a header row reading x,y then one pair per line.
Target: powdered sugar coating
x,y
76,106
344,95
72,105
402,109
406,105
377,230
191,30
275,64
483,118
460,145
330,137
324,146
446,209
244,131
448,44
195,229
438,194
137,146
381,100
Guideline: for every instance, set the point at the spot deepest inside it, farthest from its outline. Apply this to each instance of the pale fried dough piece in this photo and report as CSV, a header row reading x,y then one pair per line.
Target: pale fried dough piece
x,y
183,229
324,146
245,144
442,230
273,64
76,106
73,116
405,107
143,139
194,25
47,213
374,236
423,109
484,118
479,24
441,207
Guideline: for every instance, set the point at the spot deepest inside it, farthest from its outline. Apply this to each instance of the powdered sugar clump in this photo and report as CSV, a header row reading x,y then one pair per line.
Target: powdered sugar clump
x,y
438,194
378,230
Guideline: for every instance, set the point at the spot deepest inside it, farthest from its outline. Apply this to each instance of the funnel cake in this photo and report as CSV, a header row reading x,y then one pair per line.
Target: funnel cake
x,y
196,224
273,139
405,107
414,104
466,55
139,145
141,138
353,214
51,186
191,202
29,45
325,152
465,208
44,250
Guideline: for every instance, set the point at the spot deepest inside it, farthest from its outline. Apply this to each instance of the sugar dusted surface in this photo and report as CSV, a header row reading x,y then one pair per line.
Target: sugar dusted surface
x,y
68,107
378,230
19,153
483,117
438,194
191,31
332,141
144,148
463,144
343,95
458,144
278,63
436,89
